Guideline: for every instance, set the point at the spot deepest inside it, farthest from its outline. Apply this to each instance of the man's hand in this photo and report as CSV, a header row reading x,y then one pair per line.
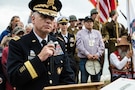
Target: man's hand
x,y
95,57
46,52
89,56
129,54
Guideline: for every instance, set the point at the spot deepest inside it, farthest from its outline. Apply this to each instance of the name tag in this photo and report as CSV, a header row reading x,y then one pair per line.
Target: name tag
x,y
91,42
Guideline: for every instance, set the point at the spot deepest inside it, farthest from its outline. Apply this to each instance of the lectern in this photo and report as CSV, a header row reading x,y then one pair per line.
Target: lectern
x,y
83,86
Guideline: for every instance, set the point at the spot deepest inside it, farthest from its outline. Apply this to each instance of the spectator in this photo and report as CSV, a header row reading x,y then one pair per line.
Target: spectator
x,y
120,60
12,25
90,47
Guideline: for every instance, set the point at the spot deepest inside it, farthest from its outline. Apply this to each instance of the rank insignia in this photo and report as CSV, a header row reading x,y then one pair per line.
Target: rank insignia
x,y
32,55
59,70
16,38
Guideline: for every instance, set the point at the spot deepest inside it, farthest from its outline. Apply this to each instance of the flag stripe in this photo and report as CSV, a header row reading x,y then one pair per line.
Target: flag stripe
x,y
105,7
104,10
93,2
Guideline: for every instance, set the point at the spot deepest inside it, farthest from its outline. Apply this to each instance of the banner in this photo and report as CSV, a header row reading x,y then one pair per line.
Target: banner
x,y
131,27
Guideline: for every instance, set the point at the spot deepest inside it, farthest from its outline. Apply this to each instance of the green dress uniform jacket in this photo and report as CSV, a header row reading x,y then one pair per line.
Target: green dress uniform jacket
x,y
71,31
27,72
110,27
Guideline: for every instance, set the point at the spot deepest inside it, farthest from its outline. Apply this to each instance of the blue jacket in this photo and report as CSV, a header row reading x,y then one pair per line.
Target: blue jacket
x,y
4,33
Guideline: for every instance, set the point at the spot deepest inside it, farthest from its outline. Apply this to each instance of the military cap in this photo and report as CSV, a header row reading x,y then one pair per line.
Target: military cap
x,y
46,7
93,11
81,19
62,19
72,18
112,13
88,18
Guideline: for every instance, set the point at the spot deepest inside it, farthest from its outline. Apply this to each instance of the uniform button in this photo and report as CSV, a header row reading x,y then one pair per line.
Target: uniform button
x,y
61,61
49,73
48,63
65,45
50,81
65,49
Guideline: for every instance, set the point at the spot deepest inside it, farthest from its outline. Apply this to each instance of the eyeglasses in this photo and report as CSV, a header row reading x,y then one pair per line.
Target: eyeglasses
x,y
63,23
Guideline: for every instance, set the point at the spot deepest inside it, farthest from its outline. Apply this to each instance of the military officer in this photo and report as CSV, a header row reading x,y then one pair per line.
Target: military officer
x,y
38,59
69,40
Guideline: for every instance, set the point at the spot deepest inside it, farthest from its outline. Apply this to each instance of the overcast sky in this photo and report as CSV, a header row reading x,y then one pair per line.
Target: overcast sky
x,y
80,8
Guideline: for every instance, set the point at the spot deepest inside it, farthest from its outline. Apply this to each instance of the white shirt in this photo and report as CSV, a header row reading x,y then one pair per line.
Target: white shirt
x,y
65,37
117,63
40,39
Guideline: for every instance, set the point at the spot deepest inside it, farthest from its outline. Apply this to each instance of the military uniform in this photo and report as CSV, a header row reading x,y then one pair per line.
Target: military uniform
x,y
69,40
110,27
35,75
70,49
28,66
72,31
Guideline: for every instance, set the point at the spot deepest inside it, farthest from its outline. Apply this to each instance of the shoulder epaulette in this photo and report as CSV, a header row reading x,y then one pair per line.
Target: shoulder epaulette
x,y
16,38
60,38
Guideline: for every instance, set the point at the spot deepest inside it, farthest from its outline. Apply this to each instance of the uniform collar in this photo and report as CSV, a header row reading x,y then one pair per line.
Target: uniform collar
x,y
39,38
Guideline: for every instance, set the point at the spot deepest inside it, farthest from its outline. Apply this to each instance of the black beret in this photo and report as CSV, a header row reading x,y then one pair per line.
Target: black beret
x,y
46,7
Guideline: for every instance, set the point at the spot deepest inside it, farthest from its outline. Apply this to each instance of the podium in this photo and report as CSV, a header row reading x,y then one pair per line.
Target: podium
x,y
82,86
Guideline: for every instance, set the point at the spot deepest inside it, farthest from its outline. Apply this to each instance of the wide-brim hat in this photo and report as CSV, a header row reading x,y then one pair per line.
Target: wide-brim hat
x,y
46,7
122,41
93,67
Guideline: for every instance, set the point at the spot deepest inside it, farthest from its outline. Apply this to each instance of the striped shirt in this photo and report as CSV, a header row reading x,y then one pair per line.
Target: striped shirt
x,y
89,42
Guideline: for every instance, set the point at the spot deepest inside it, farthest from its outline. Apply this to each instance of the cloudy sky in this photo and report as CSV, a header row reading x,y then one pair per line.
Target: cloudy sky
x,y
80,8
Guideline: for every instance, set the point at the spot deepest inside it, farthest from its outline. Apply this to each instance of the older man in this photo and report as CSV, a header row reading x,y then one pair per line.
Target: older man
x,y
120,60
37,59
90,47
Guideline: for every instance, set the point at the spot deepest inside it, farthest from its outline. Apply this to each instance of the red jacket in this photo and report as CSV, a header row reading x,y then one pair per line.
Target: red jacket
x,y
4,63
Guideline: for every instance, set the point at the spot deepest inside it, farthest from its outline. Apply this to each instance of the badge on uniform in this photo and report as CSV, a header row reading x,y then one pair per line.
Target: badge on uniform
x,y
72,42
32,55
58,50
59,69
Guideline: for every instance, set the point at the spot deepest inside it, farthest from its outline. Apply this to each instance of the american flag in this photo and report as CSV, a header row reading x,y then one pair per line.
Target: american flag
x,y
104,8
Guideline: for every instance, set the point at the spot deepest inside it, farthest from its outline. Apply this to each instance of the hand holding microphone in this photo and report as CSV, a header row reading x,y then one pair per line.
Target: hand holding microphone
x,y
47,51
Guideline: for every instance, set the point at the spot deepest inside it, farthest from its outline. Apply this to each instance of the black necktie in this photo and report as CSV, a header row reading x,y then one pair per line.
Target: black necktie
x,y
43,42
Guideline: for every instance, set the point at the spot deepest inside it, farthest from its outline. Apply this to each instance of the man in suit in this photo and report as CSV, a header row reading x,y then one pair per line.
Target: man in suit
x,y
37,59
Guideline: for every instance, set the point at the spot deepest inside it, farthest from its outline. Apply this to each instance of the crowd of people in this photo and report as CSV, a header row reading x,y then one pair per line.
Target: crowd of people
x,y
51,51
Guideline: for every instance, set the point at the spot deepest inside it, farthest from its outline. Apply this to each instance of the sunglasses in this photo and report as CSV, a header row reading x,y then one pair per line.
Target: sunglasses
x,y
63,23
